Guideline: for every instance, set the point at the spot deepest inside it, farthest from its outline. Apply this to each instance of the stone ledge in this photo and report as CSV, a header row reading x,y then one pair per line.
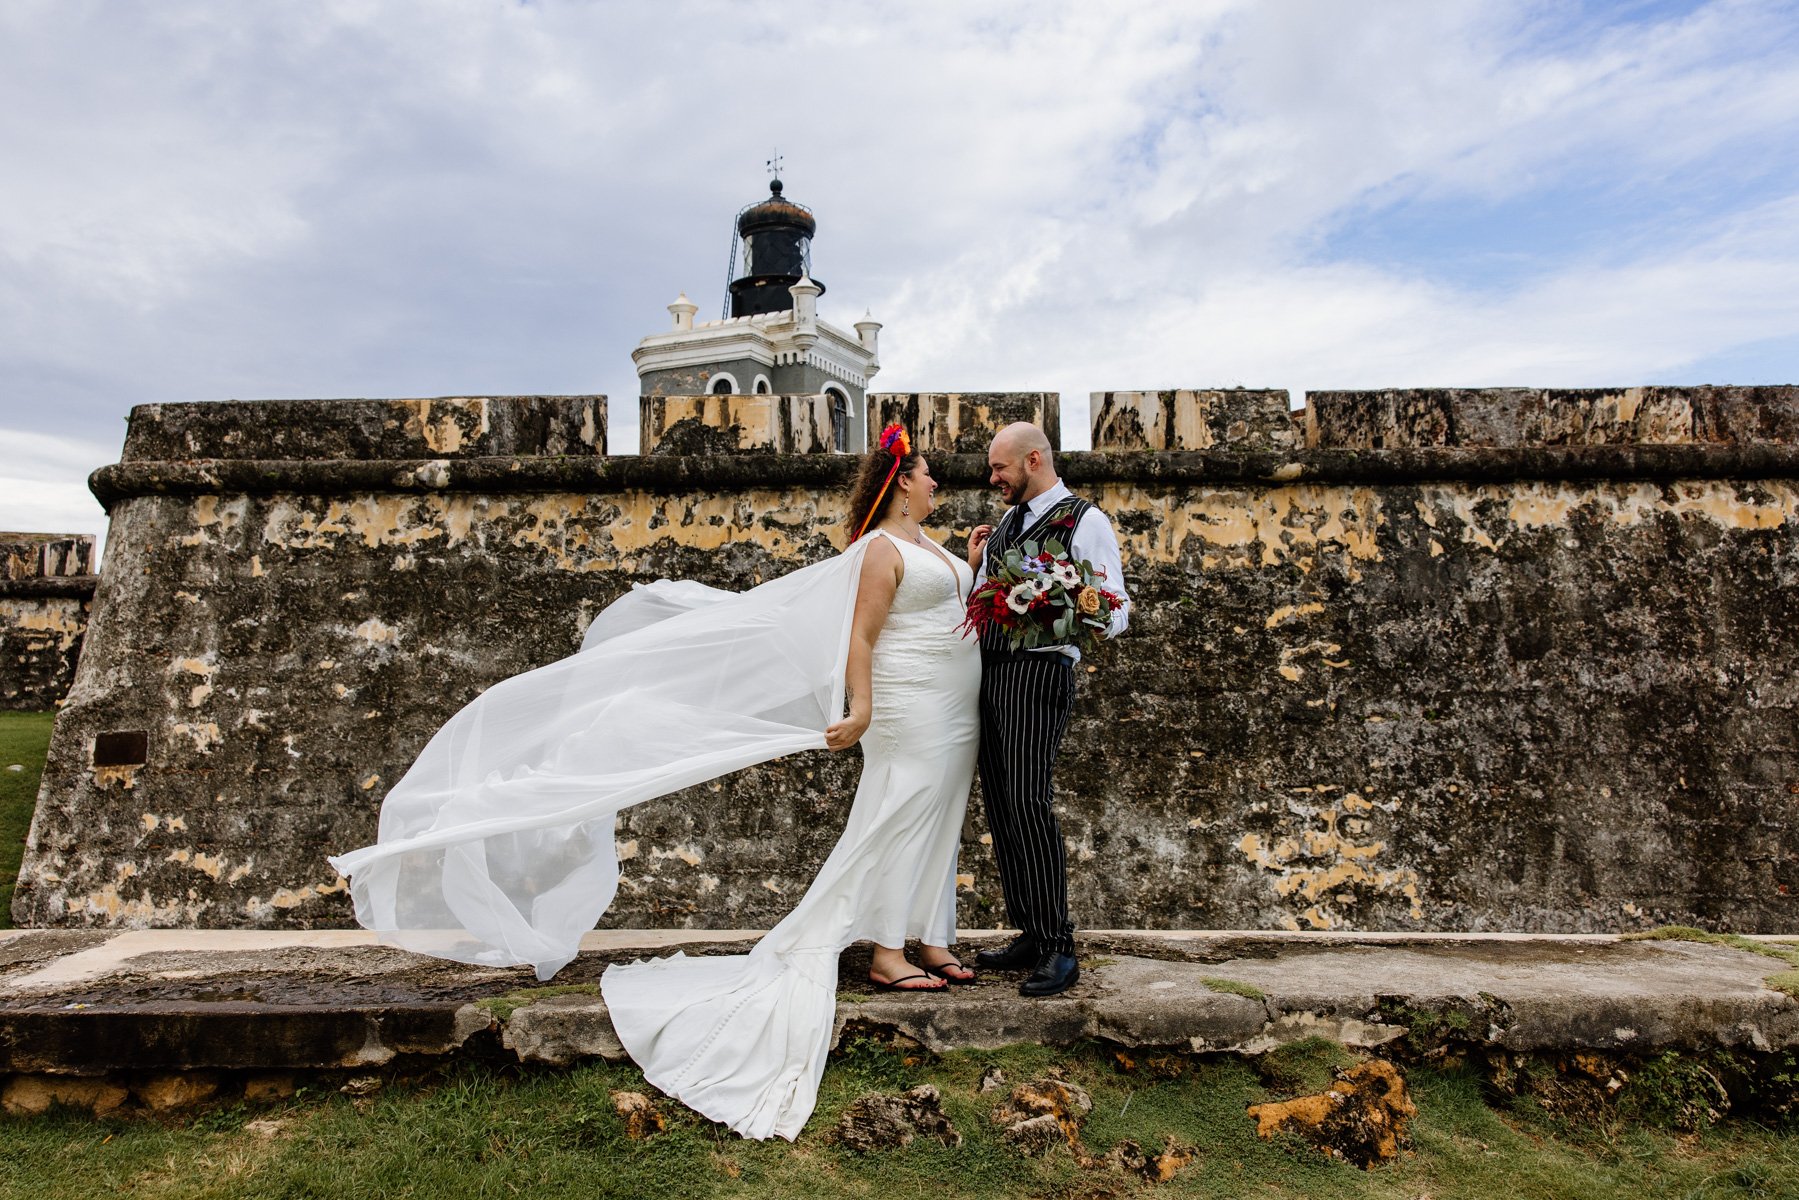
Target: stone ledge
x,y
79,587
199,1000
723,473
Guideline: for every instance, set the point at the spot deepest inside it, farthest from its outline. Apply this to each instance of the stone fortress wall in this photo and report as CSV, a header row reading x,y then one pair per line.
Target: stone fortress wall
x,y
46,589
1511,659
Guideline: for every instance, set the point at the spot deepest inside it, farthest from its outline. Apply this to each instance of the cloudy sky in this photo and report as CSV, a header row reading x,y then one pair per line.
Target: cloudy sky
x,y
212,199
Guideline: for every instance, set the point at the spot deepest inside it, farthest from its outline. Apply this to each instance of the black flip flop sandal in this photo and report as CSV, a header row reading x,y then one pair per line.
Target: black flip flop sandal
x,y
894,985
941,971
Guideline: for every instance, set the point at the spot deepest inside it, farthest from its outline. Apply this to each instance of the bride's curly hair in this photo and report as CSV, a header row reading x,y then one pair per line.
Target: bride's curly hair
x,y
869,477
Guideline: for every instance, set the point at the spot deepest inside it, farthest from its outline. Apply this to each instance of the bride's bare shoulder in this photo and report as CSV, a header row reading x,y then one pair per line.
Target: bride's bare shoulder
x,y
882,556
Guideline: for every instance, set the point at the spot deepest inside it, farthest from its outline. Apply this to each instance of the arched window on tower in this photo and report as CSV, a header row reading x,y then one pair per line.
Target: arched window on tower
x,y
840,420
762,385
722,386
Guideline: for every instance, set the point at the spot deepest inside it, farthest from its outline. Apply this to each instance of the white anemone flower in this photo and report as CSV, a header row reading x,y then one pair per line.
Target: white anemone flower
x,y
1066,574
1020,597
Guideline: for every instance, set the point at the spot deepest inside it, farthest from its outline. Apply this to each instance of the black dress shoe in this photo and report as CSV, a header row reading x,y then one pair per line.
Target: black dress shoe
x,y
1020,955
1055,973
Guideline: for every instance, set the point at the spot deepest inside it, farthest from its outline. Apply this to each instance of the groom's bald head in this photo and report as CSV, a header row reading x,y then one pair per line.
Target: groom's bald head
x,y
1020,462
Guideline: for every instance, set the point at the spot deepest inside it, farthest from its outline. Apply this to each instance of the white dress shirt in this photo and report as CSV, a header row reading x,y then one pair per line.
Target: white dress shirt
x,y
1095,542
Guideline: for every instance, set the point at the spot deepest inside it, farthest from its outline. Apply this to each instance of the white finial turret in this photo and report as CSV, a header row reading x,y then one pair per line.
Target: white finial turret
x,y
683,310
867,332
805,301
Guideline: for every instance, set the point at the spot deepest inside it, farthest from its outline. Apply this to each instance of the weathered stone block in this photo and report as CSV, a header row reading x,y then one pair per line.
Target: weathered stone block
x,y
175,1090
1226,419
35,1095
963,422
46,591
562,1030
46,555
1500,417
765,424
446,427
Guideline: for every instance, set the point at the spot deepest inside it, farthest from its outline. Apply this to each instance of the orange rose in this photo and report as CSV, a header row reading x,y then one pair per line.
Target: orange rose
x,y
1088,601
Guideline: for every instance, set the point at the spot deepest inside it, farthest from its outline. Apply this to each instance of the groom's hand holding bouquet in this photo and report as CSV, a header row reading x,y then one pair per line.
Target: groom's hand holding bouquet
x,y
1037,595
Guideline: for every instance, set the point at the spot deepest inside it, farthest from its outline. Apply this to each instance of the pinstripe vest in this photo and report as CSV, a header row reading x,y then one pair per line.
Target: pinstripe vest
x,y
1009,534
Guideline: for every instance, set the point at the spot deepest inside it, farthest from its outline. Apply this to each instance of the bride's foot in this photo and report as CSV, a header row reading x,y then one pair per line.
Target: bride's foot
x,y
940,962
892,972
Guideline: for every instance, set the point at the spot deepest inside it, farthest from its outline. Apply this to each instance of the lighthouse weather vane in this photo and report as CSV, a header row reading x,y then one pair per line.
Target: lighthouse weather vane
x,y
774,164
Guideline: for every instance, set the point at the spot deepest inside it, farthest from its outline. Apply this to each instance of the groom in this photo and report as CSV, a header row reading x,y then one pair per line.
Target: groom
x,y
1026,696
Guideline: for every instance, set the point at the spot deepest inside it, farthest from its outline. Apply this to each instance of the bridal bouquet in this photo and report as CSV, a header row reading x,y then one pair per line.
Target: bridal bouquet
x,y
1039,596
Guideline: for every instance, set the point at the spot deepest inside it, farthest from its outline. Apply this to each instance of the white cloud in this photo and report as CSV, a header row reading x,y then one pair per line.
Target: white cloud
x,y
43,483
210,199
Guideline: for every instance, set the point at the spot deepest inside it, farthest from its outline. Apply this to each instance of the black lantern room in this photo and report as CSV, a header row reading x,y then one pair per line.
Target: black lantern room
x,y
777,252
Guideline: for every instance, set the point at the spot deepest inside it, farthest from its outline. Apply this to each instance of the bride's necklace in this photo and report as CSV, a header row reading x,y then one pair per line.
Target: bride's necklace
x,y
917,536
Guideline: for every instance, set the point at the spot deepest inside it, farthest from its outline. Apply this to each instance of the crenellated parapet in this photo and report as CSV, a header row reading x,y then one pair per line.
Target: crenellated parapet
x,y
1194,419
737,424
1455,659
1421,418
964,422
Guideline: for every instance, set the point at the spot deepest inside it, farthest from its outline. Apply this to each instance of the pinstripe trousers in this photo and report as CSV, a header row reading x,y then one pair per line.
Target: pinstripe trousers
x,y
1024,713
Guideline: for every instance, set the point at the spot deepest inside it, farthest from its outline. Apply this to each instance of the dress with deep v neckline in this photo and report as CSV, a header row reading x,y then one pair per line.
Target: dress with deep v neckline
x,y
743,1038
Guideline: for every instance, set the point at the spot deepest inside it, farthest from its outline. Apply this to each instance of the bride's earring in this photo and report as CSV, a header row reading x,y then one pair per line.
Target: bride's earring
x,y
905,506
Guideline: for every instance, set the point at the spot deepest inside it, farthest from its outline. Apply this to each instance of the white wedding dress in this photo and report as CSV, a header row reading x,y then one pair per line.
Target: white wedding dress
x,y
497,845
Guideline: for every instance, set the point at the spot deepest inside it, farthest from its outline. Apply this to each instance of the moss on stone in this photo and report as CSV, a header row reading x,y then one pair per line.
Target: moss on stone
x,y
1234,987
502,1007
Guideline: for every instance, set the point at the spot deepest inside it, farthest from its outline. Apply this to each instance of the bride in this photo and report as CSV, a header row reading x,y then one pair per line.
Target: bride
x,y
497,845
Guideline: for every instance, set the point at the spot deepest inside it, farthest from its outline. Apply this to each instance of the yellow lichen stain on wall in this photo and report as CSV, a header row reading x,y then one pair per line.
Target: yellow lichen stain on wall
x,y
59,619
385,520
1292,672
1531,506
1316,859
202,666
111,907
580,532
209,865
1287,612
205,734
1268,526
440,423
124,777
1533,510
285,898
377,632
687,854
563,526
206,512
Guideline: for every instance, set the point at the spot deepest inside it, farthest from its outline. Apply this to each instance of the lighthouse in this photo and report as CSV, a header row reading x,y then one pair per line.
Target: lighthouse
x,y
770,338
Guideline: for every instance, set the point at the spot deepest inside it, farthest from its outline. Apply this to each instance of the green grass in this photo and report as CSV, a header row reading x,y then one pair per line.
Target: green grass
x,y
24,738
481,1132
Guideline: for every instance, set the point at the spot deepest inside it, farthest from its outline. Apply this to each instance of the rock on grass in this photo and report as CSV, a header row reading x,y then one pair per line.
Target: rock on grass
x,y
877,1122
1042,1113
1360,1118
